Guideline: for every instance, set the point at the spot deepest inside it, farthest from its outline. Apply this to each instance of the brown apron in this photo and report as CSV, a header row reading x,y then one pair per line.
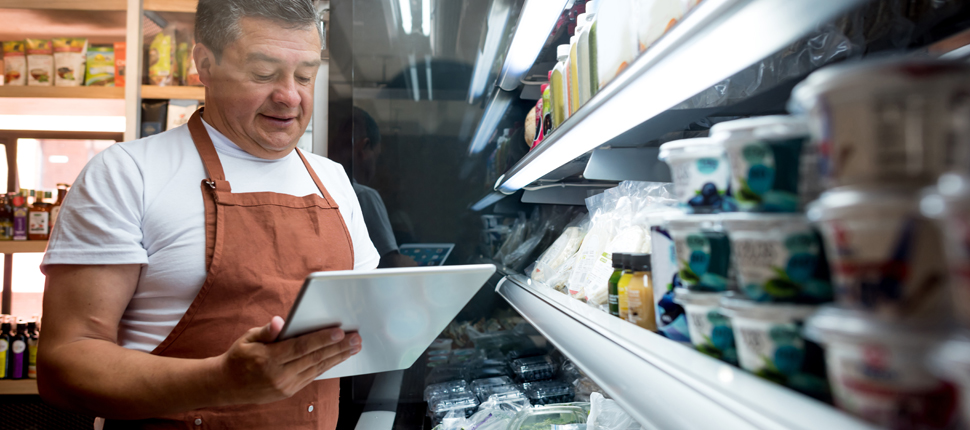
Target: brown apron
x,y
259,249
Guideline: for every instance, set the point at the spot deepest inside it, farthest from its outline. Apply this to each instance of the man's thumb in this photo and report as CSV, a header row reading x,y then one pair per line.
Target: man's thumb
x,y
269,332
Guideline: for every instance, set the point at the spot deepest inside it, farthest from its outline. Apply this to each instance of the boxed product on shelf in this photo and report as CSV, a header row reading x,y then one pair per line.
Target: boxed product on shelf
x,y
70,54
14,63
40,63
533,368
121,54
161,59
100,66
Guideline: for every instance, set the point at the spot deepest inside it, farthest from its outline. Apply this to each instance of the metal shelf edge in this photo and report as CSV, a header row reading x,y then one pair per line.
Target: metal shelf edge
x,y
663,384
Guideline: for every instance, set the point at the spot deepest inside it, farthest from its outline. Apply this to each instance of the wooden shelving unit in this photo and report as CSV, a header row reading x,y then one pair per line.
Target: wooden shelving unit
x,y
187,6
17,246
63,92
20,386
155,92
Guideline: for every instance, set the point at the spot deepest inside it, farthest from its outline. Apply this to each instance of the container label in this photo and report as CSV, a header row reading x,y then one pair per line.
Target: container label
x,y
701,185
711,333
765,175
703,259
38,223
670,316
784,265
778,353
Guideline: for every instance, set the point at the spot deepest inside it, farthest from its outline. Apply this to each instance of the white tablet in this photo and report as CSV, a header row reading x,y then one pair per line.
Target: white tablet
x,y
427,254
397,312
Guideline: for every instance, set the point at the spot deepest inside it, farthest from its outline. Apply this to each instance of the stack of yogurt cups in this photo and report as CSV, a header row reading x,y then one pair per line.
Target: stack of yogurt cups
x,y
890,150
752,266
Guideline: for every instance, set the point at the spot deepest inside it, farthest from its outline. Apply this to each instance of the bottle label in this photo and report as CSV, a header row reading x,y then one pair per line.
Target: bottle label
x,y
20,223
17,370
39,223
6,229
3,358
32,358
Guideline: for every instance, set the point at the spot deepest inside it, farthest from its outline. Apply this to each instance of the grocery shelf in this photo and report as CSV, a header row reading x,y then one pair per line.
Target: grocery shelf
x,y
661,383
18,387
63,92
187,6
65,4
17,246
718,39
156,92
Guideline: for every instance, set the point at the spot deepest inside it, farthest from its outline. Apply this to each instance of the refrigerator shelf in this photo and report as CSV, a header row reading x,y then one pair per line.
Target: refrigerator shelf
x,y
661,383
716,40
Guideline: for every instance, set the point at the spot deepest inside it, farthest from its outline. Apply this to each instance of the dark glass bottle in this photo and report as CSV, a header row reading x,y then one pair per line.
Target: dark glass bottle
x,y
5,348
18,352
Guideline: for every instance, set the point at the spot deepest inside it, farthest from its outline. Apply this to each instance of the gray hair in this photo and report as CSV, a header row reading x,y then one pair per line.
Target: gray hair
x,y
217,21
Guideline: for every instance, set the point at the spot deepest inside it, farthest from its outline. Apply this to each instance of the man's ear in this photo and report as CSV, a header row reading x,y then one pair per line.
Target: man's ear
x,y
204,60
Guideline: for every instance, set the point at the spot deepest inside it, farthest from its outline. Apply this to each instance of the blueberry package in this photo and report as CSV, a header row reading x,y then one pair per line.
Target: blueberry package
x,y
533,368
14,63
548,392
40,63
70,54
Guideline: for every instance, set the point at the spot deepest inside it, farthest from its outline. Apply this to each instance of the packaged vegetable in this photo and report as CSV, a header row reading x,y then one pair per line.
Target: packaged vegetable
x,y
14,63
40,63
463,404
564,247
70,55
446,388
161,59
533,368
100,66
544,417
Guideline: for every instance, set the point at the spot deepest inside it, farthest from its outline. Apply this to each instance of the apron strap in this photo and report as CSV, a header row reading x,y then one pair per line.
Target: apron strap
x,y
210,159
316,180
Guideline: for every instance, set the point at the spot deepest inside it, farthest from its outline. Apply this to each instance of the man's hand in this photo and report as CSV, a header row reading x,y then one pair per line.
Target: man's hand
x,y
261,371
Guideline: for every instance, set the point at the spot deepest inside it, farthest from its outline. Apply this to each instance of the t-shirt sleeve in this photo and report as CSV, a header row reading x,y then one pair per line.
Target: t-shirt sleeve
x,y
100,220
378,223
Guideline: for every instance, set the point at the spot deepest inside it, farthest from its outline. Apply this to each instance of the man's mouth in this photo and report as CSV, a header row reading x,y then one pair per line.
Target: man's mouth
x,y
279,121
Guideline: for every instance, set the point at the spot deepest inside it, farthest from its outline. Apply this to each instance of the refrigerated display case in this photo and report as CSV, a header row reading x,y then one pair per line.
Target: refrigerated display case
x,y
454,166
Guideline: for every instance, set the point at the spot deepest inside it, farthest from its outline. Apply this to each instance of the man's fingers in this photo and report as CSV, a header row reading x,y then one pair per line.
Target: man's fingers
x,y
351,343
314,371
293,349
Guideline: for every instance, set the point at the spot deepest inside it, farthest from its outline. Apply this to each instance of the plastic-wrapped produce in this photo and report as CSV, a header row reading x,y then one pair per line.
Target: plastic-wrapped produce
x,y
548,392
544,417
533,368
564,247
479,386
523,353
460,403
504,394
446,388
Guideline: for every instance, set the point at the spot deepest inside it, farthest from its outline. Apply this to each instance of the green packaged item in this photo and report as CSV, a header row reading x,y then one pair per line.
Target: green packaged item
x,y
100,67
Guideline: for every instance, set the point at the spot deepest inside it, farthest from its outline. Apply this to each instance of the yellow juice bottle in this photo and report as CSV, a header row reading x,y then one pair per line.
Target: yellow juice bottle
x,y
640,310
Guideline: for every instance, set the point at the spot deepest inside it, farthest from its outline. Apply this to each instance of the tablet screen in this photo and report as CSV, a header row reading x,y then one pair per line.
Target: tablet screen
x,y
428,254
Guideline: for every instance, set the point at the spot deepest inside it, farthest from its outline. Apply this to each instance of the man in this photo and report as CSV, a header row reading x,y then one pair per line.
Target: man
x,y
366,148
175,255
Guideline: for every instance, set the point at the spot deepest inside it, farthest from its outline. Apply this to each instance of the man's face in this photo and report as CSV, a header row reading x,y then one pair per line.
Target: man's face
x,y
261,94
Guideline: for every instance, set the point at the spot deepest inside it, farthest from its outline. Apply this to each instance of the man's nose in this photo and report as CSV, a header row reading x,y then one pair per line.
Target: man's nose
x,y
286,93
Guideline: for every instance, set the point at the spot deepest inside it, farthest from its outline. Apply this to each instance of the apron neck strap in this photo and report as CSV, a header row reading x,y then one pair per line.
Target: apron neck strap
x,y
316,179
210,159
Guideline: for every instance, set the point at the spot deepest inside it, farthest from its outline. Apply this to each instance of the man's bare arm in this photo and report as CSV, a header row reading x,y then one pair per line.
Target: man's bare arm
x,y
81,367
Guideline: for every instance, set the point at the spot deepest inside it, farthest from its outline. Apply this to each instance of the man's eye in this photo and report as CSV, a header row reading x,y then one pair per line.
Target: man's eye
x,y
303,80
263,77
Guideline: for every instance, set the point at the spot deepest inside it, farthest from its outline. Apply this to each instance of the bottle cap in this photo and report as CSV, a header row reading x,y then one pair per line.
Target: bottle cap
x,y
47,194
542,88
549,76
639,262
619,260
562,52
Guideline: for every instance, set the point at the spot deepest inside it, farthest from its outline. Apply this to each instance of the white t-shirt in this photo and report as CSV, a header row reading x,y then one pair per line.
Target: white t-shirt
x,y
140,202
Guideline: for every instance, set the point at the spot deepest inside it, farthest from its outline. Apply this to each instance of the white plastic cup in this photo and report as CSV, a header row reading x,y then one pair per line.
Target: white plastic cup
x,y
701,174
879,372
885,257
949,203
703,252
951,362
710,329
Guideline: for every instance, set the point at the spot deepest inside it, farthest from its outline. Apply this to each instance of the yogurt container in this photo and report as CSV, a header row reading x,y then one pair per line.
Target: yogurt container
x,y
951,362
770,344
778,258
886,121
671,317
878,369
703,252
710,329
949,203
770,169
701,174
884,256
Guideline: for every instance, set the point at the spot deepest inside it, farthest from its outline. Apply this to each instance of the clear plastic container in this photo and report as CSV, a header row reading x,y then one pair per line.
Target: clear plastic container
x,y
523,353
701,174
770,344
541,416
502,394
548,392
446,388
533,368
479,386
879,369
710,330
461,403
778,258
885,257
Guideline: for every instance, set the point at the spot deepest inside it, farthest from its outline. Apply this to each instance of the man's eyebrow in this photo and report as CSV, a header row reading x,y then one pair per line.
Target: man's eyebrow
x,y
257,56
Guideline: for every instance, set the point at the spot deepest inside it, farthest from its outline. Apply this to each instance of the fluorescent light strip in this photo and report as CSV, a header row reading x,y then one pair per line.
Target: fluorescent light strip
x,y
416,87
494,113
688,61
407,21
427,72
498,17
426,17
487,201
537,20
113,124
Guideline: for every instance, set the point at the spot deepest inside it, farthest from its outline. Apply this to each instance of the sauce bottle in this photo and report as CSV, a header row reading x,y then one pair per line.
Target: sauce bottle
x,y
618,260
20,211
640,293
56,207
621,286
18,352
38,218
32,349
560,97
5,348
6,218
